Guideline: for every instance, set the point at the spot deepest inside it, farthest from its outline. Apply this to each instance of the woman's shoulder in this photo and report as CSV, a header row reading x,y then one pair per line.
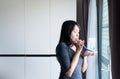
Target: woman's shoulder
x,y
62,44
61,48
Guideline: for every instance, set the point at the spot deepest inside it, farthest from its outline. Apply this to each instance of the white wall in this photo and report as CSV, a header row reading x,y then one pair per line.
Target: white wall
x,y
32,27
11,26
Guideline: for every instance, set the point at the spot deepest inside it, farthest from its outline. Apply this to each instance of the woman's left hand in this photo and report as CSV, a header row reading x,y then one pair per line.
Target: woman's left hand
x,y
87,53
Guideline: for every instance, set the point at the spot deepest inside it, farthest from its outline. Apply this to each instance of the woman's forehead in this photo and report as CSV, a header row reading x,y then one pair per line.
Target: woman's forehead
x,y
76,28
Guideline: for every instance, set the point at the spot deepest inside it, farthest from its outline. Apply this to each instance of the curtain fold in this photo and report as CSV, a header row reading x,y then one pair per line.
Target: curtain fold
x,y
92,71
114,31
85,6
82,18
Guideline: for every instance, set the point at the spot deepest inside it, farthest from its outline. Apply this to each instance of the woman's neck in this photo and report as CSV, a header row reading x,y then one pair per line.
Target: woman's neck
x,y
73,47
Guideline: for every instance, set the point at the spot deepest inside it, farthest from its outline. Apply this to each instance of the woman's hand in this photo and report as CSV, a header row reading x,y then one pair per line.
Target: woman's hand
x,y
79,45
87,53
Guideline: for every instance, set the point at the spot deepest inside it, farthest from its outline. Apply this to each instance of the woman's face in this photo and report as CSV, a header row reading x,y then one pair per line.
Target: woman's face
x,y
75,34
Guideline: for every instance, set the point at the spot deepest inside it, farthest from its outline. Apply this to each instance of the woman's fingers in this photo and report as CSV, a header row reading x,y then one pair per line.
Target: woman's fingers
x,y
86,53
79,44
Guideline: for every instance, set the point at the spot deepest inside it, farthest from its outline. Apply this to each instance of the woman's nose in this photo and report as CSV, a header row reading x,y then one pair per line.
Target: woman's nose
x,y
77,35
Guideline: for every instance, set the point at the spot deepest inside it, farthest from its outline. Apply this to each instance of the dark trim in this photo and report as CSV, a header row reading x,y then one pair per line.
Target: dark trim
x,y
27,55
99,23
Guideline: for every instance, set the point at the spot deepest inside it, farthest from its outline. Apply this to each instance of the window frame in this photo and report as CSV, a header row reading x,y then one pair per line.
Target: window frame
x,y
99,34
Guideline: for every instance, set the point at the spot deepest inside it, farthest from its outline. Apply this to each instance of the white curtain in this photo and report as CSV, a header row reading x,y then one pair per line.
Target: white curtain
x,y
92,71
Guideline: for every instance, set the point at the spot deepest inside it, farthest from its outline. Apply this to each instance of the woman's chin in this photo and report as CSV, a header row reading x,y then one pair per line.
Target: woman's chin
x,y
75,42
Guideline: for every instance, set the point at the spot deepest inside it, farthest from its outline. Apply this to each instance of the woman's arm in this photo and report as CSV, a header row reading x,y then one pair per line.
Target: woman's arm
x,y
75,59
84,65
73,64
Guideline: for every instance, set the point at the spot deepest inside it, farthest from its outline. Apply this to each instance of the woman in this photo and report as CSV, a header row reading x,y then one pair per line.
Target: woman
x,y
69,51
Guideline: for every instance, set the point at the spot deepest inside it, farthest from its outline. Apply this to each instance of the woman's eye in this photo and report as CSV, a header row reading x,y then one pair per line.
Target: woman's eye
x,y
75,32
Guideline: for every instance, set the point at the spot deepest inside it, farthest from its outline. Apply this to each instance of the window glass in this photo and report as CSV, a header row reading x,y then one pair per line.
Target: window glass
x,y
105,53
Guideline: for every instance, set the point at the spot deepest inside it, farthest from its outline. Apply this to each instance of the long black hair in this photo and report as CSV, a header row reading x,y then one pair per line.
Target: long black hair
x,y
67,28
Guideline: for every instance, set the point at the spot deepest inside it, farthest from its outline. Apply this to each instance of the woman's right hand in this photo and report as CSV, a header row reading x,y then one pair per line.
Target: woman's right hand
x,y
79,45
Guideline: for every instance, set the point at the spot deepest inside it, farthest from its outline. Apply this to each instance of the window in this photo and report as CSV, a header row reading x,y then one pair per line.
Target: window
x,y
104,41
